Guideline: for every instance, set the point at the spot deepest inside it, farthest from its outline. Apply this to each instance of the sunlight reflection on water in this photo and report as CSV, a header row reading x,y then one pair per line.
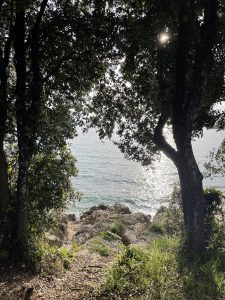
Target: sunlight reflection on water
x,y
105,176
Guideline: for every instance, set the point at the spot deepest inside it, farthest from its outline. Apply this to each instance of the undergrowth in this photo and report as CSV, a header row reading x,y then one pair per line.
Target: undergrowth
x,y
49,259
164,269
160,271
98,246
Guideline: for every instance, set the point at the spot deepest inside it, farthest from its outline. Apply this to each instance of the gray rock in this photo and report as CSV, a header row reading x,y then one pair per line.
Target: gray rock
x,y
100,212
71,217
95,221
162,209
121,209
53,240
128,238
137,218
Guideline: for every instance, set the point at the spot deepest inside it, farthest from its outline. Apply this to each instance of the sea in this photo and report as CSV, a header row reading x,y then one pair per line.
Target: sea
x,y
107,177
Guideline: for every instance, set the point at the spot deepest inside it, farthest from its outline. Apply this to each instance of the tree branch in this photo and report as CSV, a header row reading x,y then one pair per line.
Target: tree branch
x,y
161,142
204,52
37,21
58,66
8,43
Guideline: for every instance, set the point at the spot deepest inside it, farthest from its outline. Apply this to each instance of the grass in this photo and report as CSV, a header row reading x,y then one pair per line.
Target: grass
x,y
109,236
50,259
118,227
68,254
160,271
98,246
156,228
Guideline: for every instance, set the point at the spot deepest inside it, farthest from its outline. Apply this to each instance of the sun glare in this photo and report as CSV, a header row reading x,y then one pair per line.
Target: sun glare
x,y
163,38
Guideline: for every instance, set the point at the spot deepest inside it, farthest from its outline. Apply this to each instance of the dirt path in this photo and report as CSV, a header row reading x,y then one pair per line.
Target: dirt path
x,y
81,282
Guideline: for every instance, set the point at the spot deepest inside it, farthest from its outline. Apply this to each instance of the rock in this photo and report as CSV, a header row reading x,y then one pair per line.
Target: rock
x,y
63,219
139,229
71,217
162,209
121,209
53,240
100,212
160,215
128,238
137,218
110,218
97,215
92,209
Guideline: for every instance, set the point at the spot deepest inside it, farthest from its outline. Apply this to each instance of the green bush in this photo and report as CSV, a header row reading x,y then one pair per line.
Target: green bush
x,y
50,188
118,227
68,254
98,246
109,236
157,228
151,273
49,259
162,271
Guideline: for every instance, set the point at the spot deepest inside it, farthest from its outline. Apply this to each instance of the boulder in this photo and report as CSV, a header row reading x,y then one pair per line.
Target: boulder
x,y
71,217
120,209
110,218
137,217
96,216
53,240
128,238
98,213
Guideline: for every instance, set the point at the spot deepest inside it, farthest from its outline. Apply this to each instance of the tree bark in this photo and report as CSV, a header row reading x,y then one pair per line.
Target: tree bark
x,y
4,62
193,203
27,114
20,229
4,188
192,193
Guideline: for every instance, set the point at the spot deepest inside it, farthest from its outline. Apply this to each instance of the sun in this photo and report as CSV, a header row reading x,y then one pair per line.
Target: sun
x,y
164,38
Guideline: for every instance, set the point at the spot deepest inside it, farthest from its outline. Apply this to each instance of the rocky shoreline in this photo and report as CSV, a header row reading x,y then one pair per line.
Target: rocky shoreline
x,y
99,234
130,227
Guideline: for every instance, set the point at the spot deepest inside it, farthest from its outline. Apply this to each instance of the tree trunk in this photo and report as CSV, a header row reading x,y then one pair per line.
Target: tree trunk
x,y
21,229
4,188
27,114
193,202
19,233
191,186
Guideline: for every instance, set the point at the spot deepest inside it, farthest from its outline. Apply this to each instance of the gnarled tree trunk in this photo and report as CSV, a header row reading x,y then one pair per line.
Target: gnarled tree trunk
x,y
193,201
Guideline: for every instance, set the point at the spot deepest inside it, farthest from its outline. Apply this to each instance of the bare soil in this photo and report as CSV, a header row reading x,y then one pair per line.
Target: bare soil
x,y
82,281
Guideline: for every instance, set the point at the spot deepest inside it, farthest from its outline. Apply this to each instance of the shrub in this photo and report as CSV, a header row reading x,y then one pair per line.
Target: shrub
x,y
162,271
98,246
49,259
118,227
157,228
50,188
151,273
109,236
68,254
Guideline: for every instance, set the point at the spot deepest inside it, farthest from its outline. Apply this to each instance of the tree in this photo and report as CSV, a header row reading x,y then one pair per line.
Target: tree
x,y
6,26
167,70
54,61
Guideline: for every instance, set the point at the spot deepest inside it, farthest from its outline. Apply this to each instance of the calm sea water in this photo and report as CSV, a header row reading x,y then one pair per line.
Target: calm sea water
x,y
105,176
